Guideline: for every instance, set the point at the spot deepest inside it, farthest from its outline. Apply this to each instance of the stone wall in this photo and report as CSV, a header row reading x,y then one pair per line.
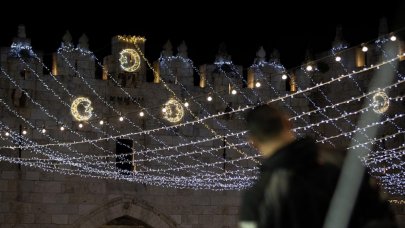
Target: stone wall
x,y
30,198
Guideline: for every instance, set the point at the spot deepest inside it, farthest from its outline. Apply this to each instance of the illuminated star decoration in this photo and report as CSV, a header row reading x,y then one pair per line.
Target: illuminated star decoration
x,y
81,109
130,60
173,111
381,102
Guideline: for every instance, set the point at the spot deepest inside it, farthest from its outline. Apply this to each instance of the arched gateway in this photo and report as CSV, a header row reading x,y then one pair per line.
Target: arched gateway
x,y
125,212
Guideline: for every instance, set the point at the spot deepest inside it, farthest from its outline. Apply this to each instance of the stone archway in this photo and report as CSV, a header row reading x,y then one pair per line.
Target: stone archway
x,y
125,207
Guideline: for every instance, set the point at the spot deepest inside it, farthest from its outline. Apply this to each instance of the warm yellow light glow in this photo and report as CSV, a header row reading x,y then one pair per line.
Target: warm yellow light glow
x,y
338,58
62,128
43,130
81,109
234,92
141,114
174,110
284,77
101,122
121,118
364,49
131,39
24,132
130,61
381,102
309,68
258,84
80,125
186,104
393,38
209,98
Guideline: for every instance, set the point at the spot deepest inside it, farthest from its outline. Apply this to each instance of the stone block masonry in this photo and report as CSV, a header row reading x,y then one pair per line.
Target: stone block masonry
x,y
44,200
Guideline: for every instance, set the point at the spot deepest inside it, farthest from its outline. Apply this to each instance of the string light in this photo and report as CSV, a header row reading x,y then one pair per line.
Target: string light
x,y
80,125
122,118
101,122
393,38
43,130
142,114
309,68
209,98
7,134
338,58
284,77
364,49
189,181
258,84
186,104
402,202
242,109
24,132
17,48
234,92
62,128
100,97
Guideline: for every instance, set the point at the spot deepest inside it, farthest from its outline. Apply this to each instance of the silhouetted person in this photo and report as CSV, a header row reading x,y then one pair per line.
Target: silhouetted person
x,y
297,182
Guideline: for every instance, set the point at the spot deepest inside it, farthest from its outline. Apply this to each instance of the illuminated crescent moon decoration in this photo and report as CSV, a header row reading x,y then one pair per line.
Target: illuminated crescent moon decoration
x,y
81,109
130,60
381,102
174,111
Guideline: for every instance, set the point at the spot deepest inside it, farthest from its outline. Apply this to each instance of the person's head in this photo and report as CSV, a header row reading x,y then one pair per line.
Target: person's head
x,y
269,129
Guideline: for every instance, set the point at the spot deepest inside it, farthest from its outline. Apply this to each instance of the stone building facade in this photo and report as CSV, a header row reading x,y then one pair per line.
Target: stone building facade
x,y
31,197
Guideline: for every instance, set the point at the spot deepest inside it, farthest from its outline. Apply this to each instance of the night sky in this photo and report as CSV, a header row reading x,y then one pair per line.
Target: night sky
x,y
287,26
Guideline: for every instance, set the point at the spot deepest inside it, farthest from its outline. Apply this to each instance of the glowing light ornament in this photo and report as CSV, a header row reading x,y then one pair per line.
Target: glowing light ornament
x,y
81,109
174,111
381,102
130,60
284,77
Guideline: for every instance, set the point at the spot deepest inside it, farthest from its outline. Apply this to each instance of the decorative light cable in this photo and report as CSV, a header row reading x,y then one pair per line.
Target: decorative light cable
x,y
202,107
60,51
55,95
190,111
174,132
247,107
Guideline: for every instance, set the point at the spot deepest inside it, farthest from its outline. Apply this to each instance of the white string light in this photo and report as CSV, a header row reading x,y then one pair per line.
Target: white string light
x,y
198,183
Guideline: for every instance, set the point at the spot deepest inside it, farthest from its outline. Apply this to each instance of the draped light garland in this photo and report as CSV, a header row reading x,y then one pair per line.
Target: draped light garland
x,y
198,179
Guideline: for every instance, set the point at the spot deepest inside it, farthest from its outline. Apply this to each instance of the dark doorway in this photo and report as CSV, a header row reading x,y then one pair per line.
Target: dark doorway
x,y
125,222
124,149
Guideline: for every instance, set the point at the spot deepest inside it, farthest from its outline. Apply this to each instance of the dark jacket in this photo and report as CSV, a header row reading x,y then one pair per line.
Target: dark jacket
x,y
294,190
